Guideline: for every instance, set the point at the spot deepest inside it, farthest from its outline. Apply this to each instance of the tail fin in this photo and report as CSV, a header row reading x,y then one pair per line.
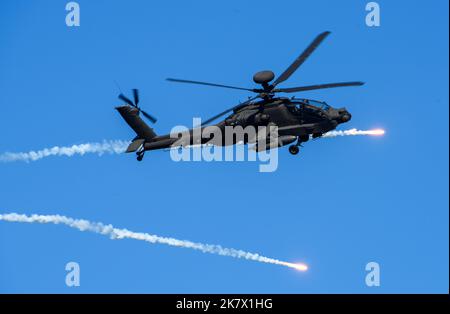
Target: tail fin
x,y
143,131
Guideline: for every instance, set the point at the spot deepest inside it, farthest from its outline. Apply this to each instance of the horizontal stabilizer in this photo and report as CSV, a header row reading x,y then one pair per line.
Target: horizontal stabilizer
x,y
135,145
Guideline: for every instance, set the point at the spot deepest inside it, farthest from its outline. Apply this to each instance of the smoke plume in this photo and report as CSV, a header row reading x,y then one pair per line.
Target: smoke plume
x,y
111,147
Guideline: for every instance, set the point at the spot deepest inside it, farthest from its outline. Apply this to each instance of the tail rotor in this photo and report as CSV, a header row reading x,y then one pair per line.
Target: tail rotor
x,y
135,104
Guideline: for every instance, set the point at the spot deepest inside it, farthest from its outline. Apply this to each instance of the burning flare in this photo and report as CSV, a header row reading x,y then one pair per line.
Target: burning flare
x,y
298,266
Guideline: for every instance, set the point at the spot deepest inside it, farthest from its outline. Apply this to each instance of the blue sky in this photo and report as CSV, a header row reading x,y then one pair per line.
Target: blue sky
x,y
338,205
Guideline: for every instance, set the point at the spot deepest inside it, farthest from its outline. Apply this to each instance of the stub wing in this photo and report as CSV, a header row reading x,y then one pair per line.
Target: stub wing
x,y
296,129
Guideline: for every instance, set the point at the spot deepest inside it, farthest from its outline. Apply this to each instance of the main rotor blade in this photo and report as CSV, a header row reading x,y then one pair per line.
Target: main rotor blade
x,y
320,86
127,100
148,116
228,110
301,58
136,96
208,84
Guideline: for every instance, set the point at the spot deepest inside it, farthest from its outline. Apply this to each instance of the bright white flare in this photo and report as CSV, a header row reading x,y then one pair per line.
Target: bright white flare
x,y
115,233
298,266
111,147
354,132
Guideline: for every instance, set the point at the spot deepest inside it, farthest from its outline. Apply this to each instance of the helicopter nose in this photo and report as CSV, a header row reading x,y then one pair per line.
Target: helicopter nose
x,y
345,116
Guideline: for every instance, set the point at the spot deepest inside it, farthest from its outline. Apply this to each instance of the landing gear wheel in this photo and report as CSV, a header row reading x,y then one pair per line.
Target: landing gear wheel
x,y
140,157
293,149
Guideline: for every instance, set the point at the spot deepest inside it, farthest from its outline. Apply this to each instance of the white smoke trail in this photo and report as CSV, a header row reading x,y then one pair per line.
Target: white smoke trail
x,y
115,233
111,147
353,132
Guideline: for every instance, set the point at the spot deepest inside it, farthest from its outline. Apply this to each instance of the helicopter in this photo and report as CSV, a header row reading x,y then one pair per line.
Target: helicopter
x,y
297,119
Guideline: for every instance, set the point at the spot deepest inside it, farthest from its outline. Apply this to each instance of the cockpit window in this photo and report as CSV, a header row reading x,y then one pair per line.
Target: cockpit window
x,y
299,104
325,106
321,104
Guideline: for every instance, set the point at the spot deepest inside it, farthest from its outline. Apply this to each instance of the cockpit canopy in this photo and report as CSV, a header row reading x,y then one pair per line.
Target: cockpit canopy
x,y
316,103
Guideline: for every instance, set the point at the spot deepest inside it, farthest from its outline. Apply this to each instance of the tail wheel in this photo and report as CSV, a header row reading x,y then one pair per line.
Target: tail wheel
x,y
293,149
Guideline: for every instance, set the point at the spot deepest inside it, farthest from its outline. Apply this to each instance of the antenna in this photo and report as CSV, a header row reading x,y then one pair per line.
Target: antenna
x,y
118,86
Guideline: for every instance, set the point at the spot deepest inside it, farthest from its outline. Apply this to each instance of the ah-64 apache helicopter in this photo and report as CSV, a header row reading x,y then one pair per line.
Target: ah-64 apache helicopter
x,y
297,119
